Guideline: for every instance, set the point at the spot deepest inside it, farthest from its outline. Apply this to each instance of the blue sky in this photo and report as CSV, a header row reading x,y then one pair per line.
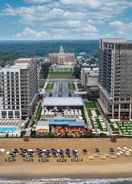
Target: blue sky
x,y
65,19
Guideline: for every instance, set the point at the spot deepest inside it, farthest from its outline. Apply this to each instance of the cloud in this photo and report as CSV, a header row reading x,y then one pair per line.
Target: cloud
x,y
70,9
10,11
122,27
91,3
38,1
29,33
76,18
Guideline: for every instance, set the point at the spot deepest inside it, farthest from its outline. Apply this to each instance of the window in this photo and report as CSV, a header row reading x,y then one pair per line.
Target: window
x,y
10,114
17,114
4,114
125,106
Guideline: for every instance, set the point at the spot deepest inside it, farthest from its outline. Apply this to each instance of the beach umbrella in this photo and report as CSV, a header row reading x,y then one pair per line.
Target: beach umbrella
x,y
127,153
91,157
30,150
121,152
113,156
7,152
118,154
2,150
103,157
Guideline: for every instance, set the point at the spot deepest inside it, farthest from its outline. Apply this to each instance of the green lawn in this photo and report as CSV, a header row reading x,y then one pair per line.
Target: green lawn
x,y
91,104
60,70
60,75
49,87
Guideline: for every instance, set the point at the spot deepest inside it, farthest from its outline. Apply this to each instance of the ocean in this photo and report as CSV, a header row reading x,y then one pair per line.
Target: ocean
x,y
67,181
43,48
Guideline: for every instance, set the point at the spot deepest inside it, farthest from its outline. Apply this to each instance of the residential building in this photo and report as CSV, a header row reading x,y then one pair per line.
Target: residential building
x,y
18,89
115,78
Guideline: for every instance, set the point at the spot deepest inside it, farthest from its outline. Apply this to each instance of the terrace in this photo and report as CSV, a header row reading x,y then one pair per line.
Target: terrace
x,y
121,128
98,124
114,127
50,113
11,128
125,128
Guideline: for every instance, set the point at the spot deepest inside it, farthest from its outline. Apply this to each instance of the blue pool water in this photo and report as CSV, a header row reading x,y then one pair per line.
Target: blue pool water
x,y
7,129
64,121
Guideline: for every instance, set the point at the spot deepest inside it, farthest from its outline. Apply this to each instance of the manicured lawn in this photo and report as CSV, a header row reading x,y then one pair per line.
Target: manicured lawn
x,y
60,70
60,75
91,104
71,86
49,87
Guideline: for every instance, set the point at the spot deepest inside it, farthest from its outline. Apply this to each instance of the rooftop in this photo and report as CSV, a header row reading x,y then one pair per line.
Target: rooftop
x,y
67,122
63,101
42,124
60,122
114,40
15,67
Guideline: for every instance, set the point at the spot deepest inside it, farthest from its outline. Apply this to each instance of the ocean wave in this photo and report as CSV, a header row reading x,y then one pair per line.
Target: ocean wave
x,y
67,181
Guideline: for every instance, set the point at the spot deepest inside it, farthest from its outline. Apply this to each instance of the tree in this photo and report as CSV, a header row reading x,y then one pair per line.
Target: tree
x,y
77,71
44,70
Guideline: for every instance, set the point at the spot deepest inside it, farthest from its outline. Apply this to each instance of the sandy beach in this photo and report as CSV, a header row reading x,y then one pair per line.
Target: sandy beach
x,y
98,167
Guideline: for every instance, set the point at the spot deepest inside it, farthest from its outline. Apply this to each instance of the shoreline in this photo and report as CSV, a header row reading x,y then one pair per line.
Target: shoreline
x,y
111,171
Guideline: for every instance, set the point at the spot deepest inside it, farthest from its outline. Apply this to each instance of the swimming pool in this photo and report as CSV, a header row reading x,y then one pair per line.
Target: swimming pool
x,y
67,122
8,129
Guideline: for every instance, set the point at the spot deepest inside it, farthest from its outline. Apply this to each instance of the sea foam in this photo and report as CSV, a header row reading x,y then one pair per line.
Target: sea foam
x,y
67,181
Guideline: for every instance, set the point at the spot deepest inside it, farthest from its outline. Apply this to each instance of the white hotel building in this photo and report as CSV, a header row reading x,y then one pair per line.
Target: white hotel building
x,y
18,87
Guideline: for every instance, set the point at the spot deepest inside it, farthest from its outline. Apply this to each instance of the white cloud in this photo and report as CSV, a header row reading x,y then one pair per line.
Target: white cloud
x,y
122,27
91,3
69,9
38,1
75,18
10,11
29,33
89,29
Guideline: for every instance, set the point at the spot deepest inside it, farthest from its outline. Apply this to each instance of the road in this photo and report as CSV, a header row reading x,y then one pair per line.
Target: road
x,y
60,89
56,88
65,89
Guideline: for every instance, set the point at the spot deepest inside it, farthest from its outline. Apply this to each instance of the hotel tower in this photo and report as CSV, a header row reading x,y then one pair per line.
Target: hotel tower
x,y
18,89
115,78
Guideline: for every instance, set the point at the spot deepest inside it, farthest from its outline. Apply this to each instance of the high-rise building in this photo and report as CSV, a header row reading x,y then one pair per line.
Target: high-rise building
x,y
89,77
62,58
18,89
115,78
